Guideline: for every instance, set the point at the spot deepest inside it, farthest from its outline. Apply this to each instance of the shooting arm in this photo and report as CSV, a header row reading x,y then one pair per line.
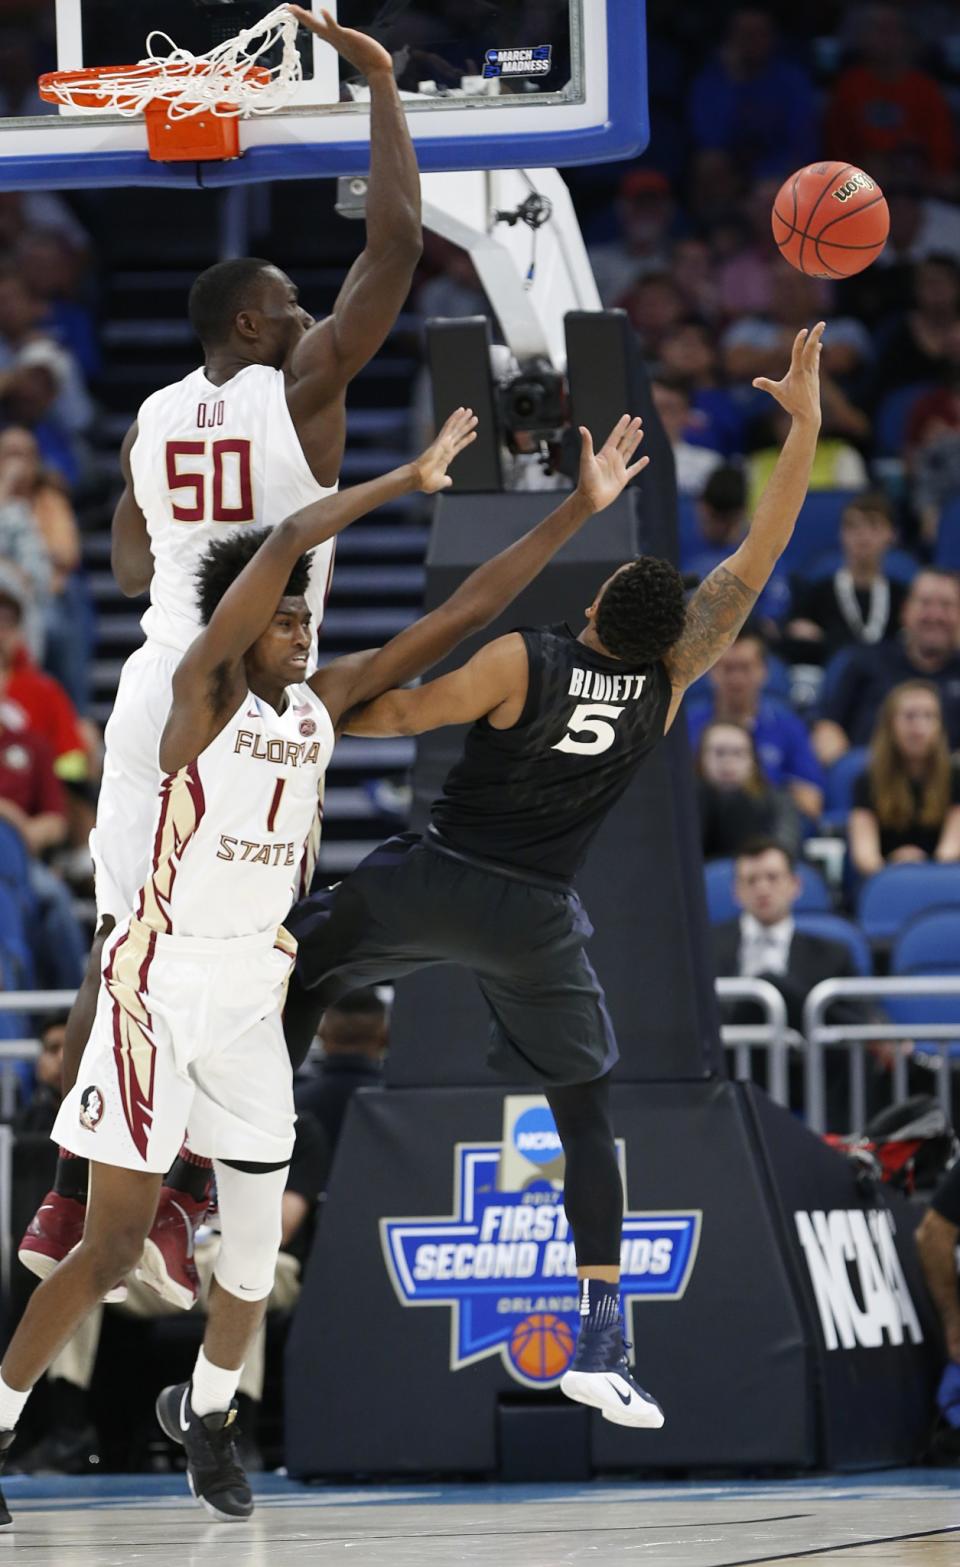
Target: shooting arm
x,y
723,602
130,554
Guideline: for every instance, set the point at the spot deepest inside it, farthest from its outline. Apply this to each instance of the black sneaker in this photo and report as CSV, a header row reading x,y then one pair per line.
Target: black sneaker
x,y
6,1438
213,1464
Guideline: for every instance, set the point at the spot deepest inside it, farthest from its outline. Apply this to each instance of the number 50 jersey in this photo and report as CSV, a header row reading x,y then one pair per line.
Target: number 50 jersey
x,y
207,460
534,796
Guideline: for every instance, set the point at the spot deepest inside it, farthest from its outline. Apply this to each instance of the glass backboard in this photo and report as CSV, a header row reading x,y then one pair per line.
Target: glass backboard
x,y
487,83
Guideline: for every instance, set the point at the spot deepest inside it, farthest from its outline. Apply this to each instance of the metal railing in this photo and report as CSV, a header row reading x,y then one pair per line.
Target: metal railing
x,y
854,1036
773,1036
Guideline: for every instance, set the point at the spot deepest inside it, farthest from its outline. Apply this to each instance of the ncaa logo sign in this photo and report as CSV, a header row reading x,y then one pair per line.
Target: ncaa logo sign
x,y
503,1262
535,1137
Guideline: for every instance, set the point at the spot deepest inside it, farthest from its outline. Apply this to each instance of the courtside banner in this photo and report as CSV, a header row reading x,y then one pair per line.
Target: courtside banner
x,y
503,1262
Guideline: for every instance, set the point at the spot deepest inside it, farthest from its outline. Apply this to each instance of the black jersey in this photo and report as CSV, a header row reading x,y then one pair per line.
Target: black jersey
x,y
534,796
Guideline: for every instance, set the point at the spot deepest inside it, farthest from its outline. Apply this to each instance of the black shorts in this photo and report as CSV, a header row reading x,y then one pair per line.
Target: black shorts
x,y
410,905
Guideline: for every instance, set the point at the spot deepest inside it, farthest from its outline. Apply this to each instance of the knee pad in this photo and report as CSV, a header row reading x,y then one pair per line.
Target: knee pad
x,y
250,1226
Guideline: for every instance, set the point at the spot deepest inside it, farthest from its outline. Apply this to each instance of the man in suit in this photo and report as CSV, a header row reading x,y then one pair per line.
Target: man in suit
x,y
765,944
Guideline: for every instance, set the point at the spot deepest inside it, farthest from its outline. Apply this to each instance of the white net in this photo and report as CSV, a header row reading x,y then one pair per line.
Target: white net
x,y
232,79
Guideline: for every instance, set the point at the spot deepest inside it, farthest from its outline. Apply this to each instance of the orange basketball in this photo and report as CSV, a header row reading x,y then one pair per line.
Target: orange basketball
x,y
830,220
541,1346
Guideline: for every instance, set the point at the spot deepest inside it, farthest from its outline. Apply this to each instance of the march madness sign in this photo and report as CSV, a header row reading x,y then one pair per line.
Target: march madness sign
x,y
503,1263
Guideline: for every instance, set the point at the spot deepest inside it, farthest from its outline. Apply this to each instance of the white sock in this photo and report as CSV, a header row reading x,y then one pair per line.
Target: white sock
x,y
11,1405
212,1388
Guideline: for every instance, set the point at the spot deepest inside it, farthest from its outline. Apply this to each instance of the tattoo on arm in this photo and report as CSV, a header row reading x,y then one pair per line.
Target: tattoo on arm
x,y
715,614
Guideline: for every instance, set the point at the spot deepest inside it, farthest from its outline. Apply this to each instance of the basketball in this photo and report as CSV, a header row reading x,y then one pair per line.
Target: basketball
x,y
830,220
541,1346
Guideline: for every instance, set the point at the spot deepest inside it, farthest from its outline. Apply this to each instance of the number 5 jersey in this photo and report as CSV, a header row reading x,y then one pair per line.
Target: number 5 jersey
x,y
533,796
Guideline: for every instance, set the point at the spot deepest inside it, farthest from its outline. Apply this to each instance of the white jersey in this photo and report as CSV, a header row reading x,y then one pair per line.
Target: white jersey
x,y
232,826
211,458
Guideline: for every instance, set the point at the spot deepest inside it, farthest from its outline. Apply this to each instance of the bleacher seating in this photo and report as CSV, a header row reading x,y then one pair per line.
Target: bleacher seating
x,y
832,927
947,553
817,529
893,897
838,791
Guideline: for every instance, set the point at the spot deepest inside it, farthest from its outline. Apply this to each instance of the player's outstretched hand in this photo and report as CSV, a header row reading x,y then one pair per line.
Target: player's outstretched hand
x,y
359,49
606,473
431,467
799,391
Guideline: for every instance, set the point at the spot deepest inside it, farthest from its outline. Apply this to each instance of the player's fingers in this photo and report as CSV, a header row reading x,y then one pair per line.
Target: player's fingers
x,y
613,438
466,440
631,439
814,343
586,442
798,343
637,467
763,385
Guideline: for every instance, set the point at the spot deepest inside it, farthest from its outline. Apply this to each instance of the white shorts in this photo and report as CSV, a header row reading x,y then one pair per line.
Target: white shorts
x,y
127,808
187,1038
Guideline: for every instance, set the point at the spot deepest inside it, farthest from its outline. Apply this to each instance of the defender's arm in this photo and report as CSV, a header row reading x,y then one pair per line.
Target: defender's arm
x,y
492,684
130,555
723,602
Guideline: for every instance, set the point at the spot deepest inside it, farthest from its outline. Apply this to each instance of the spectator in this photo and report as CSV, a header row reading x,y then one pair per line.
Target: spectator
x,y
737,680
722,523
32,801
67,632
857,603
746,261
655,305
916,348
921,226
55,270
40,1111
694,464
736,802
751,103
20,339
906,806
925,650
49,710
933,445
764,943
646,212
692,269
354,1035
689,351
761,345
883,102
22,548
837,465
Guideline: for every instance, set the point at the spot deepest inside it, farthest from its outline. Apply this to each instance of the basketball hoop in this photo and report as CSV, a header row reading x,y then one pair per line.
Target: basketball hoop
x,y
191,102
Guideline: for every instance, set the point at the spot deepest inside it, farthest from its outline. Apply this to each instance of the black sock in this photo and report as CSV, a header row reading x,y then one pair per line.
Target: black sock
x,y
71,1176
191,1175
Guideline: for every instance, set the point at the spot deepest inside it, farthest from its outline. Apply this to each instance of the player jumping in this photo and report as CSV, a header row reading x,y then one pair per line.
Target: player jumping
x,y
255,434
561,724
188,1032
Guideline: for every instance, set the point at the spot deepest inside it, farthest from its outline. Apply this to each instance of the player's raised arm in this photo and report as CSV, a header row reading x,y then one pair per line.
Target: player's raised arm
x,y
377,284
130,555
723,602
348,682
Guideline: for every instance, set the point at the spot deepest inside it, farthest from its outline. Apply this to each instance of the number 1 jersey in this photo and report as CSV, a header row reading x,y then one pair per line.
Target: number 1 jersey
x,y
208,459
534,796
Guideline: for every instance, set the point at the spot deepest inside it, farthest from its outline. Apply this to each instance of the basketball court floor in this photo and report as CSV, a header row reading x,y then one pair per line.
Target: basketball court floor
x,y
909,1517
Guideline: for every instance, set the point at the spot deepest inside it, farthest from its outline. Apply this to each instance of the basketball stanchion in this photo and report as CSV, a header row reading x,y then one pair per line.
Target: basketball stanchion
x,y
192,104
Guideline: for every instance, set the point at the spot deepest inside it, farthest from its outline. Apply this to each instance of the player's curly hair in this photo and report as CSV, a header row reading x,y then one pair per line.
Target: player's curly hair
x,y
224,559
642,611
220,293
